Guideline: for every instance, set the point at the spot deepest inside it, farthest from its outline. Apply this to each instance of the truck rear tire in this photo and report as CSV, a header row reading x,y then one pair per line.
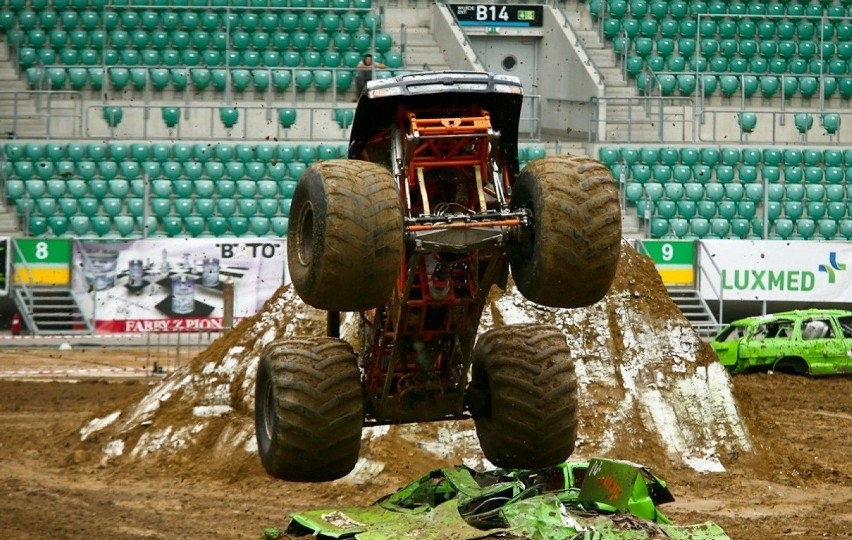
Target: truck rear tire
x,y
570,258
344,241
523,396
308,409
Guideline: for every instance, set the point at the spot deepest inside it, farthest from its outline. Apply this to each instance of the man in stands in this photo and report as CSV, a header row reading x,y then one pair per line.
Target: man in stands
x,y
365,73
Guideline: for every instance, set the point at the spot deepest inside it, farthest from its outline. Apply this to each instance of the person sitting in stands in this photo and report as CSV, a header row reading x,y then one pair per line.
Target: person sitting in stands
x,y
365,73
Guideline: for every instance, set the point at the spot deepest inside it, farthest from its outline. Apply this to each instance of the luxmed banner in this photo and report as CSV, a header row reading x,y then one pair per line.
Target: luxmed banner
x,y
175,284
772,270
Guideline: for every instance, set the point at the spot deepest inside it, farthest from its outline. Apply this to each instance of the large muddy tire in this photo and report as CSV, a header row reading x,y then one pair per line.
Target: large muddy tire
x,y
523,396
344,242
570,257
308,409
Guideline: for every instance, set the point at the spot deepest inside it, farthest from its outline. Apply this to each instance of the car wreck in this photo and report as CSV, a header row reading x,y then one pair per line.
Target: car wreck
x,y
600,499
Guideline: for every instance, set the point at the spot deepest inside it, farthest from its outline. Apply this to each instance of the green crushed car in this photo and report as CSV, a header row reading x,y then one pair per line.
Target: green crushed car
x,y
600,499
811,342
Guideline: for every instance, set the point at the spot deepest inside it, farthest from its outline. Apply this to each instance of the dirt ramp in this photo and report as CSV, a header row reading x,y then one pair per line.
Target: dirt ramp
x,y
651,392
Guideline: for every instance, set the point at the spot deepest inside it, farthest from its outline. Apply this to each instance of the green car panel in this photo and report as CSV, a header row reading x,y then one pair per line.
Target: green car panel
x,y
810,341
601,499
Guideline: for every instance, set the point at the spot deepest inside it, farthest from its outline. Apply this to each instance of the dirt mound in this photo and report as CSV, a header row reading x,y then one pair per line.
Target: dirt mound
x,y
651,391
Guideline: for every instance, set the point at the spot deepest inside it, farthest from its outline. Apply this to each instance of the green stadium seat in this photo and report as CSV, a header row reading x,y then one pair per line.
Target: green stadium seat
x,y
747,174
734,191
775,192
720,228
183,207
707,209
727,209
172,226
805,228
746,209
259,225
687,209
78,225
740,228
725,174
666,209
816,210
194,225
226,207
238,225
125,226
217,226
714,191
229,116
278,226
674,191
161,207
694,191
699,227
783,229
794,209
633,191
830,122
659,227
100,225
827,229
45,206
135,206
803,122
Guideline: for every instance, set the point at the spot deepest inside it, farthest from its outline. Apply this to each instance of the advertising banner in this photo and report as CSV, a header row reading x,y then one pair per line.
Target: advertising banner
x,y
173,284
771,270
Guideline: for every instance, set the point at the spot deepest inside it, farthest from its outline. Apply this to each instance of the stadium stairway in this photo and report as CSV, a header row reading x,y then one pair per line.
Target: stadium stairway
x,y
28,122
695,309
642,128
409,27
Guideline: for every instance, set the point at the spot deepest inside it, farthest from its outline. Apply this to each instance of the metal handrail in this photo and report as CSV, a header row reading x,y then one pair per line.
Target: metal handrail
x,y
720,293
779,120
26,287
648,105
47,111
578,46
93,292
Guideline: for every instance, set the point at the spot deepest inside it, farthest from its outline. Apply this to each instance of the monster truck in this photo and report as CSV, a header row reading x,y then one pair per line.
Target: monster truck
x,y
411,232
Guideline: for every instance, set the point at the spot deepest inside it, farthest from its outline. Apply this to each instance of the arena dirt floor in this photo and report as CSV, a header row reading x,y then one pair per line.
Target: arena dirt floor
x,y
797,483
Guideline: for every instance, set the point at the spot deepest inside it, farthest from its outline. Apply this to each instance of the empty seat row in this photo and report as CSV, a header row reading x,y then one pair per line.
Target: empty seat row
x,y
131,155
81,47
708,69
189,20
779,229
747,86
724,155
217,5
301,79
727,28
98,189
122,152
744,208
715,191
157,206
689,209
308,53
169,226
741,174
163,152
733,53
682,9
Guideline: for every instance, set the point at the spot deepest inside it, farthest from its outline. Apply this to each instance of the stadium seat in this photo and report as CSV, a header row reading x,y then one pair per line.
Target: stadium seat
x,y
827,229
